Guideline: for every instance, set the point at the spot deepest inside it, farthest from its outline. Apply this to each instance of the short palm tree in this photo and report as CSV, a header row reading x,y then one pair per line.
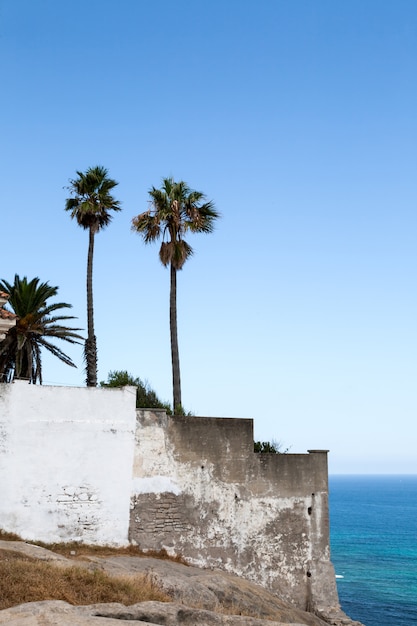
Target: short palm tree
x,y
90,204
20,351
175,210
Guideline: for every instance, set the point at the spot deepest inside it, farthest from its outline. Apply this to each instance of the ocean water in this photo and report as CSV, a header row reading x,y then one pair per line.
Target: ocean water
x,y
373,535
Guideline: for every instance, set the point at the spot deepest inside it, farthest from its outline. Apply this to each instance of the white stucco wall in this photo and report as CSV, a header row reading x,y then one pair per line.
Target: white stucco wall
x,y
66,459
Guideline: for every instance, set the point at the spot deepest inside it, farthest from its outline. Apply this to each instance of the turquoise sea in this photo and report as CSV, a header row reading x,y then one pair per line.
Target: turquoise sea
x,y
373,530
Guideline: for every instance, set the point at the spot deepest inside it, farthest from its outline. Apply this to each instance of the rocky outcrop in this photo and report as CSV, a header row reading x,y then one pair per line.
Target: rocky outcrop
x,y
57,613
199,598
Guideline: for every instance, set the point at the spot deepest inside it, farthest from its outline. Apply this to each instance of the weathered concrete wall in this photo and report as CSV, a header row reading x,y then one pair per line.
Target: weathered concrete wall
x,y
201,492
66,459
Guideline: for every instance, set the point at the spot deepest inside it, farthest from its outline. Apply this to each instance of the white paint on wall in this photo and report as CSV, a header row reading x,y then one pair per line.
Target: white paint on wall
x,y
154,484
66,458
152,456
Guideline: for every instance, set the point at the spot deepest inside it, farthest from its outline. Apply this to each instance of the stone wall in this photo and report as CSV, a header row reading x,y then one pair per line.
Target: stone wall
x,y
82,464
201,492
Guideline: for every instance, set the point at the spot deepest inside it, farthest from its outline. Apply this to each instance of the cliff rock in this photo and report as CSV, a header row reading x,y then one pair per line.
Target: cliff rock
x,y
199,598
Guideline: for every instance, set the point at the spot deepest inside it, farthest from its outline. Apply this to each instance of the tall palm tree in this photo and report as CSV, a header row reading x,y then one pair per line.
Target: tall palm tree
x,y
20,351
90,204
175,210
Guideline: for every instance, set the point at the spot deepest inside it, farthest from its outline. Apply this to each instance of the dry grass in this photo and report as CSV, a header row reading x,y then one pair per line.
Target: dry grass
x,y
6,536
78,550
23,579
26,579
75,549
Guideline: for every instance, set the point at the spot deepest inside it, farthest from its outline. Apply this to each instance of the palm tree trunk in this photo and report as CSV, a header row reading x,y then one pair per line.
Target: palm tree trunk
x,y
90,349
175,357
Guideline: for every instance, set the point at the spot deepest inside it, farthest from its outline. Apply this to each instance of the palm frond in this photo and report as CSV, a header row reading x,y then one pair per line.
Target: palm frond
x,y
176,209
57,352
20,352
91,201
166,252
148,224
64,333
182,252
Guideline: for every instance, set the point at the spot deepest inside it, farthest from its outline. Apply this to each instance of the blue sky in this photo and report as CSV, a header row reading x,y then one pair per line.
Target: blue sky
x,y
298,118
